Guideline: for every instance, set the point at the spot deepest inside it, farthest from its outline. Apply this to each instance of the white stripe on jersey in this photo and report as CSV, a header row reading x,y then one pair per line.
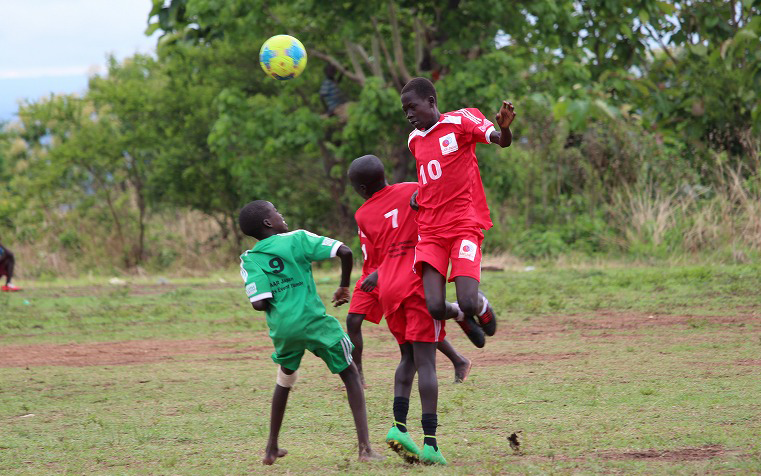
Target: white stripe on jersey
x,y
469,115
243,272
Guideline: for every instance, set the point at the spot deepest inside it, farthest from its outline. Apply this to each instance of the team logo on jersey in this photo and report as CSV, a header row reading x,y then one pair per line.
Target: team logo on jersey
x,y
448,144
468,250
251,289
328,242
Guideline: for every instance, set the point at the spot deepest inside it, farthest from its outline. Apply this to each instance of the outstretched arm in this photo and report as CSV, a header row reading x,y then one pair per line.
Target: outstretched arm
x,y
341,296
505,117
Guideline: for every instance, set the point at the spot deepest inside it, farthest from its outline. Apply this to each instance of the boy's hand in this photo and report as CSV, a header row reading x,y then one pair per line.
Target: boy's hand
x,y
413,201
369,283
505,115
341,296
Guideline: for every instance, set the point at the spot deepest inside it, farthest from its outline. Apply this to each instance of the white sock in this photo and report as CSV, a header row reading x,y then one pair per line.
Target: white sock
x,y
486,305
460,315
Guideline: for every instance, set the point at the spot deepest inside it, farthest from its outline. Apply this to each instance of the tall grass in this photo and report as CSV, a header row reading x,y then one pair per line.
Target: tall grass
x,y
180,241
722,221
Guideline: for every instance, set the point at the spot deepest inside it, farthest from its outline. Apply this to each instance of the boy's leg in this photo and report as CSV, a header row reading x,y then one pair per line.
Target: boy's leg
x,y
354,329
461,364
356,394
467,294
398,438
428,386
473,302
434,285
286,379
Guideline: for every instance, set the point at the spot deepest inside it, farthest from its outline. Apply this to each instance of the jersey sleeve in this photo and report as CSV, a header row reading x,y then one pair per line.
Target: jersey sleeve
x,y
475,124
256,281
318,248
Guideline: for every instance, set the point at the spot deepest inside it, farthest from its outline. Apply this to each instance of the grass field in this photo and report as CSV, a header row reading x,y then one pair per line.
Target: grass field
x,y
609,370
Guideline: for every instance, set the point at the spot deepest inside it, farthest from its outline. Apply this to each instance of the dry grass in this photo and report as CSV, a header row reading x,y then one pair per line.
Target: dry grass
x,y
725,216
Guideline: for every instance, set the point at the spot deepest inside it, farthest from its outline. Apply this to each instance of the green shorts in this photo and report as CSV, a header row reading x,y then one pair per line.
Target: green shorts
x,y
337,356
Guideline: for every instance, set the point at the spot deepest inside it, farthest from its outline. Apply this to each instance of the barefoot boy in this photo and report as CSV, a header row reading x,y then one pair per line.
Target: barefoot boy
x,y
277,274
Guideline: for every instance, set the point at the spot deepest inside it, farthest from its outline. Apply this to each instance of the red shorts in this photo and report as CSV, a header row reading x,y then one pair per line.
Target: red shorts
x,y
462,247
366,303
411,322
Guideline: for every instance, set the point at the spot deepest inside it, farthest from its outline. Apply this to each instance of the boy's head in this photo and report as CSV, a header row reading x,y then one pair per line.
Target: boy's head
x,y
367,175
260,219
419,103
330,71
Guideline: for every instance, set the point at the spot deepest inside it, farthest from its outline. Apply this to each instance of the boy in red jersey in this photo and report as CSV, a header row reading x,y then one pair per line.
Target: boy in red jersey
x,y
365,306
451,202
387,223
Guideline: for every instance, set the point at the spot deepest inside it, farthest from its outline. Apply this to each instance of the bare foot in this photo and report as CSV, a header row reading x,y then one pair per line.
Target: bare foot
x,y
462,370
272,455
370,455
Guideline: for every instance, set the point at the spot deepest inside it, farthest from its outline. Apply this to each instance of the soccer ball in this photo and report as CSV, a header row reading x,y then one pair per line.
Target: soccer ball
x,y
283,57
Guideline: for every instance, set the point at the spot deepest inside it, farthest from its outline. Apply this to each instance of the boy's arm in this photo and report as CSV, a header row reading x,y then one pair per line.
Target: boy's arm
x,y
262,305
505,116
341,296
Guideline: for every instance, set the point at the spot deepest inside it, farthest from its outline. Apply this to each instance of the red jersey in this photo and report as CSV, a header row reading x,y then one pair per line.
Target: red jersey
x,y
370,258
451,193
387,222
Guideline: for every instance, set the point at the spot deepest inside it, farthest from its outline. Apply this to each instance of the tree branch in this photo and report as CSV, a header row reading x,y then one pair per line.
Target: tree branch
x,y
398,51
350,50
387,55
657,38
376,65
418,46
372,63
326,57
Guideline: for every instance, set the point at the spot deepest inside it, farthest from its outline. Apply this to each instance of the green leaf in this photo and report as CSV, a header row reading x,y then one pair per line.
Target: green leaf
x,y
560,110
700,49
152,29
667,7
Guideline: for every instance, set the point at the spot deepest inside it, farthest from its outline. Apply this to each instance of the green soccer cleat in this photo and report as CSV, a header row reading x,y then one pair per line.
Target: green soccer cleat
x,y
432,456
402,444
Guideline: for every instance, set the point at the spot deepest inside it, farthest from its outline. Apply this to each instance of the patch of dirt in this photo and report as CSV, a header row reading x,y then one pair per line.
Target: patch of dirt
x,y
119,353
681,454
748,362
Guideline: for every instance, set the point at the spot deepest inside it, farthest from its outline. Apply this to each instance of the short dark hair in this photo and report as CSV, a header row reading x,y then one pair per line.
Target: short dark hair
x,y
423,87
367,170
251,218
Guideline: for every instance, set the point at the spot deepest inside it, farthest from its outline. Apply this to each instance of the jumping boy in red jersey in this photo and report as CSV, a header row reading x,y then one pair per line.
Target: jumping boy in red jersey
x,y
365,306
387,223
451,202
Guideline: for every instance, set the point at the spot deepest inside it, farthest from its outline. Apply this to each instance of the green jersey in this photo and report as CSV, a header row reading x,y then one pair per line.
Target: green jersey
x,y
279,268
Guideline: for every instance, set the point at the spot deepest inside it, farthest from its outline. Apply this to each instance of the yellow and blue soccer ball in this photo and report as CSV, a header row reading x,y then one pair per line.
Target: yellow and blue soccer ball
x,y
283,57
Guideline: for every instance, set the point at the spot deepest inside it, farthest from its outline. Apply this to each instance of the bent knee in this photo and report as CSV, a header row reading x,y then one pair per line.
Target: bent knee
x,y
354,322
438,310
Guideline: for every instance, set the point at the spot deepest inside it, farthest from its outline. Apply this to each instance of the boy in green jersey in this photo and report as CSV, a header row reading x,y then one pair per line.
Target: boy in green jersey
x,y
277,273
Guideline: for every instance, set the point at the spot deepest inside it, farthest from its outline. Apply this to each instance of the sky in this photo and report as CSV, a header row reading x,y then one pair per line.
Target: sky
x,y
53,46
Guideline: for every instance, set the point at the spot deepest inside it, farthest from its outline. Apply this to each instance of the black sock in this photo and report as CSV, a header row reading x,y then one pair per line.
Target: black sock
x,y
401,407
430,421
